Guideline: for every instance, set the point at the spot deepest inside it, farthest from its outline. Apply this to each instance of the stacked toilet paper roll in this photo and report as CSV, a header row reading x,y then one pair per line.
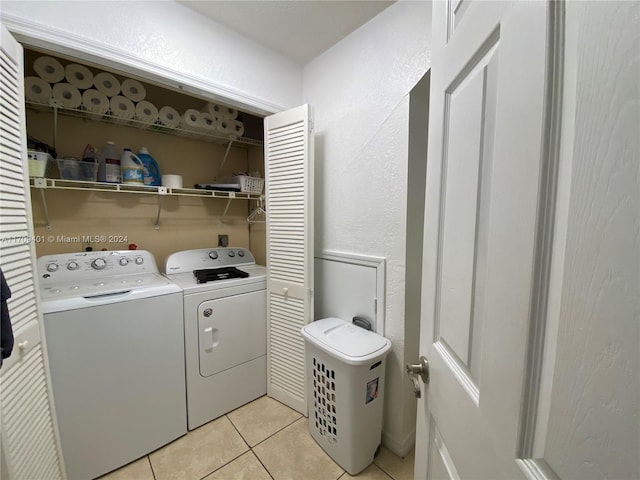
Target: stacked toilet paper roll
x,y
146,112
228,113
237,128
208,122
107,84
169,117
66,95
220,111
95,102
37,90
49,69
79,76
231,128
133,90
191,120
122,108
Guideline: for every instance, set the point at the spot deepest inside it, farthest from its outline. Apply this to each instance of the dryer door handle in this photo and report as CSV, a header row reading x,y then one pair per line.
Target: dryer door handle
x,y
211,338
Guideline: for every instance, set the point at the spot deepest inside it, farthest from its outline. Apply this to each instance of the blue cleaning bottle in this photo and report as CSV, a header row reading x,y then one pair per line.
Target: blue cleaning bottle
x,y
151,169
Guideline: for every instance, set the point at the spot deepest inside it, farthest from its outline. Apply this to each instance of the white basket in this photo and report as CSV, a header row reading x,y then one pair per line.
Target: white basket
x,y
39,163
250,184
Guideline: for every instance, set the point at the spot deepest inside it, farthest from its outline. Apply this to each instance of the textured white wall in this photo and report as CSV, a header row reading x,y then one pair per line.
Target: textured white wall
x,y
360,91
593,429
173,36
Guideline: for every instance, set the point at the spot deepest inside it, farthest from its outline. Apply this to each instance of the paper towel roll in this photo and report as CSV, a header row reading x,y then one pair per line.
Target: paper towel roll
x,y
237,128
133,90
169,117
37,90
191,120
122,108
95,102
49,69
224,126
79,76
66,95
107,84
146,112
220,111
208,122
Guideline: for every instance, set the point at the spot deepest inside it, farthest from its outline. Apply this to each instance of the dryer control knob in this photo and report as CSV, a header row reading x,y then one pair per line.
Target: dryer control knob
x,y
99,264
52,267
241,253
232,253
139,260
123,261
213,254
72,266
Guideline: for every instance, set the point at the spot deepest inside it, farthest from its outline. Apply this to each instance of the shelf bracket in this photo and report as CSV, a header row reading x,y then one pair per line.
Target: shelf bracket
x,y
41,184
226,209
54,104
161,191
226,154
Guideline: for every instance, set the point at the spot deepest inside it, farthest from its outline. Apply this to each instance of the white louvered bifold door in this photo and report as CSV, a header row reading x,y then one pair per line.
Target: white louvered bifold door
x,y
289,179
29,446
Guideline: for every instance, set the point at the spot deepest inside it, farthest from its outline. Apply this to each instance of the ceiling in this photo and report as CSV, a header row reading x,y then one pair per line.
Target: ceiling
x,y
298,29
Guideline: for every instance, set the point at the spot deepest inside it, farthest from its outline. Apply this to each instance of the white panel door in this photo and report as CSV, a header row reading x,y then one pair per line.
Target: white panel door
x,y
486,149
289,188
532,243
29,445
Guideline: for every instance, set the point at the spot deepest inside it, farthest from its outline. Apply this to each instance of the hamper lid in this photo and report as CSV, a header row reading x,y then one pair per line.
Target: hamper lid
x,y
346,341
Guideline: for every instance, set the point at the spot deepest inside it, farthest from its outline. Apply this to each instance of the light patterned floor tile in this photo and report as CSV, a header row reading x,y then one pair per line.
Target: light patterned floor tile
x,y
398,468
292,454
372,472
245,467
138,470
262,418
198,453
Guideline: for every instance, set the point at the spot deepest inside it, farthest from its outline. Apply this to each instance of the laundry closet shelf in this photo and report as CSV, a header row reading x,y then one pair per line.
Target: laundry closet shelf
x,y
55,183
43,184
155,128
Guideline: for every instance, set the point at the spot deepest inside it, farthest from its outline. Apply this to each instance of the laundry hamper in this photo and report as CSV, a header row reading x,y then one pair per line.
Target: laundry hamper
x,y
345,367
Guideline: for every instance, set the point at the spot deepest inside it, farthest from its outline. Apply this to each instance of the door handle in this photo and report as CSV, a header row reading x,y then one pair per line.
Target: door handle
x,y
421,370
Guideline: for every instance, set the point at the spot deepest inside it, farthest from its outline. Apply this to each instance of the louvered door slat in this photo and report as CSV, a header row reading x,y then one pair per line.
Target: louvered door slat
x,y
29,441
289,170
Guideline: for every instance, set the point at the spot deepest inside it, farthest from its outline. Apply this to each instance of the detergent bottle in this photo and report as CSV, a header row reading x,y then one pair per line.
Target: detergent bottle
x,y
109,164
151,170
132,168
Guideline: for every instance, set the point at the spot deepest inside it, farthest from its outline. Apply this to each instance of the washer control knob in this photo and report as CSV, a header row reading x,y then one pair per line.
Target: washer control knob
x,y
241,253
232,253
213,254
123,261
139,260
99,264
52,267
72,266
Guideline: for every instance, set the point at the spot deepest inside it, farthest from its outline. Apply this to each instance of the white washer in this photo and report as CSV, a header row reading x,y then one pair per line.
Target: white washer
x,y
115,342
225,326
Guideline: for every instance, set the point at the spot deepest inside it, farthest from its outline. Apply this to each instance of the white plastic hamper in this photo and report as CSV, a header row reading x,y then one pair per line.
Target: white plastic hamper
x,y
345,367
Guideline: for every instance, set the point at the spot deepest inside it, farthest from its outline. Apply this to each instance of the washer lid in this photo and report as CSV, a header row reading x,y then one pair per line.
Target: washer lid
x,y
346,341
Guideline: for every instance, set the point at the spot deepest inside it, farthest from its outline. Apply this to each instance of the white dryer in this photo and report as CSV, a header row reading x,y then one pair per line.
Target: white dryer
x,y
225,326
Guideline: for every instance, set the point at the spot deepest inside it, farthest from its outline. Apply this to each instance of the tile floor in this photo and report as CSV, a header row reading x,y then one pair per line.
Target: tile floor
x,y
262,440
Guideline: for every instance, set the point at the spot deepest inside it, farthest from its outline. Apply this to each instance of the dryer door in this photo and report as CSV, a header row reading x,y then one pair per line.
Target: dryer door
x,y
231,331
